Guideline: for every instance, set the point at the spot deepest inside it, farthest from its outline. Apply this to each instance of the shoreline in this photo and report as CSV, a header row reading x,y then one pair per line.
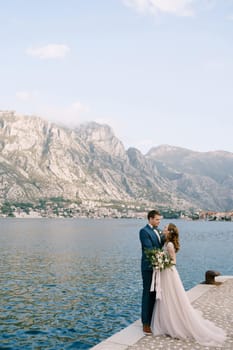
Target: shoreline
x,y
35,216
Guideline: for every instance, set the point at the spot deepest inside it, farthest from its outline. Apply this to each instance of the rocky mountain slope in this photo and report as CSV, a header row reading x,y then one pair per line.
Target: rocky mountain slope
x,y
39,159
205,177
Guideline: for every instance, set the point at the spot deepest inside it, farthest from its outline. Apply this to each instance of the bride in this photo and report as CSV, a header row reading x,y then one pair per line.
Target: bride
x,y
173,313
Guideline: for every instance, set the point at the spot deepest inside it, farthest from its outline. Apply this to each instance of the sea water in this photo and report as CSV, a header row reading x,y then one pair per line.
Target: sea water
x,y
70,283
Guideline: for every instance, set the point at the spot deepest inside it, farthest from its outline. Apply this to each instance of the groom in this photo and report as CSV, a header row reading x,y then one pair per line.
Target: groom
x,y
151,237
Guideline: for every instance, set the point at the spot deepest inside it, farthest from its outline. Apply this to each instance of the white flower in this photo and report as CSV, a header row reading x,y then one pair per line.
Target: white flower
x,y
158,258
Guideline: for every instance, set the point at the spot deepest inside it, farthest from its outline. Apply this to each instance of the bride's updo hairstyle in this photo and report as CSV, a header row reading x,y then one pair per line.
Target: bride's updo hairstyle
x,y
174,236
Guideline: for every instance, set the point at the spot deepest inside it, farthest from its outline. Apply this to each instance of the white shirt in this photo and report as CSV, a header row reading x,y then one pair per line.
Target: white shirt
x,y
156,232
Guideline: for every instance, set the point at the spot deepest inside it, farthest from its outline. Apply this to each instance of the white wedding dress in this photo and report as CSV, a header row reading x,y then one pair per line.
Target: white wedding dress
x,y
174,315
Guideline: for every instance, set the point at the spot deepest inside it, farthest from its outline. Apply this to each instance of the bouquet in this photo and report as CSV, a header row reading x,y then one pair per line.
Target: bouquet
x,y
158,258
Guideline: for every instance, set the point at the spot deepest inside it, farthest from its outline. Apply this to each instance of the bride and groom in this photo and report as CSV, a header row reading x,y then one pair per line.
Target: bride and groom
x,y
170,312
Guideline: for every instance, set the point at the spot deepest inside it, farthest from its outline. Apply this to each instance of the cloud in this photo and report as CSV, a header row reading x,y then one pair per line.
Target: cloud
x,y
78,113
26,96
51,51
71,115
78,107
175,7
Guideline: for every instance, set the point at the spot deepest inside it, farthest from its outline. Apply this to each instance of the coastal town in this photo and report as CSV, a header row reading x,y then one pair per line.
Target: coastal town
x,y
61,208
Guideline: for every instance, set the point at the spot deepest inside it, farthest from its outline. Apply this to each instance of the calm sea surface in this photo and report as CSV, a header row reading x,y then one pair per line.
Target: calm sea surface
x,y
69,284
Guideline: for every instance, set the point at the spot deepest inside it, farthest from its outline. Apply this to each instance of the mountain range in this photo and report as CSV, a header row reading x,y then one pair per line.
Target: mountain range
x,y
40,159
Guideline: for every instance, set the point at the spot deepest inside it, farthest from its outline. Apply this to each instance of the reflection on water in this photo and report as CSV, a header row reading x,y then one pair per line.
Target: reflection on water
x,y
68,284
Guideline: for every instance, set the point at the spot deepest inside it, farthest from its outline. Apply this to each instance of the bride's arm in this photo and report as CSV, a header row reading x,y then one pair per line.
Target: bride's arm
x,y
171,252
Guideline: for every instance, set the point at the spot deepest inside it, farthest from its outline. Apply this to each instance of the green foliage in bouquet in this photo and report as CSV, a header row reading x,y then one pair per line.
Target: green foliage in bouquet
x,y
158,258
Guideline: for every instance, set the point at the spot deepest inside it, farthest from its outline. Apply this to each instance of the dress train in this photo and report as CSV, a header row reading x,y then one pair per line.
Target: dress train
x,y
174,315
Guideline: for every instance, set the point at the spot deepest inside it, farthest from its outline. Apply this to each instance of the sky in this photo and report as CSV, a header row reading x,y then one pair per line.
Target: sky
x,y
156,71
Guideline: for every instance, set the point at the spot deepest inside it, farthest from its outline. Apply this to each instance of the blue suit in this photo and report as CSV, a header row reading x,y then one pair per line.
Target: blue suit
x,y
149,240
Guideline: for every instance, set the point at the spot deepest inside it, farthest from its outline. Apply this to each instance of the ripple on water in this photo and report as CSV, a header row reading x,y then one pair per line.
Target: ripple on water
x,y
71,284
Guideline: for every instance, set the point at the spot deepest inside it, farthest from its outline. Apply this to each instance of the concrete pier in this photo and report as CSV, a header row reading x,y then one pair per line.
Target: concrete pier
x,y
216,304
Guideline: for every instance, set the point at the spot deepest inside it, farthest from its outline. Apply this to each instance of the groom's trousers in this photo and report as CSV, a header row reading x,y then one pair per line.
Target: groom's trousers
x,y
148,298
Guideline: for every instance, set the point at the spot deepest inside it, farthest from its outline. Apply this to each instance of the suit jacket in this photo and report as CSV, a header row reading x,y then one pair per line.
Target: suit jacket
x,y
149,240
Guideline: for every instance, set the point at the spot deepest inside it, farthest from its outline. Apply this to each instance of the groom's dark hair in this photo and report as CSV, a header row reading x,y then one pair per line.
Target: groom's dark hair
x,y
152,214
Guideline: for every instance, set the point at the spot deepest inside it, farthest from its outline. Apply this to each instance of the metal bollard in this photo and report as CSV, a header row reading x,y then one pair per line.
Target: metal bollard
x,y
210,277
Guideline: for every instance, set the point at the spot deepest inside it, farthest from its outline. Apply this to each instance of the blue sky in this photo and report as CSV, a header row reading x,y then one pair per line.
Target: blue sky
x,y
156,71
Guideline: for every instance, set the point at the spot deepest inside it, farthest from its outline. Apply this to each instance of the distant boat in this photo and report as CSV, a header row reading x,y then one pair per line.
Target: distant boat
x,y
212,218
